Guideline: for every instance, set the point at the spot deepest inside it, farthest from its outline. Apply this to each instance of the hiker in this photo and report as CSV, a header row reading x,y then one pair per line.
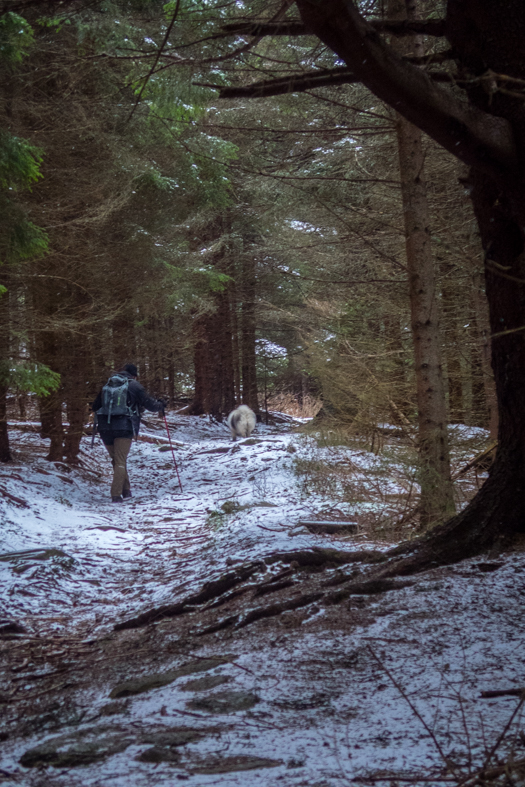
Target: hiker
x,y
118,408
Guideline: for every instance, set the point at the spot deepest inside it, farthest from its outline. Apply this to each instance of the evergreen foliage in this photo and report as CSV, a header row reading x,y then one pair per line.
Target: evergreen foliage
x,y
190,235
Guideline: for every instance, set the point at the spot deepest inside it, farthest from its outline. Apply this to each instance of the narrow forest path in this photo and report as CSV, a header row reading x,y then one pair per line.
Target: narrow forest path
x,y
74,560
252,671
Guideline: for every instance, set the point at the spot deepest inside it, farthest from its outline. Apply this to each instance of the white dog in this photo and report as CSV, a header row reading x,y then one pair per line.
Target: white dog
x,y
241,422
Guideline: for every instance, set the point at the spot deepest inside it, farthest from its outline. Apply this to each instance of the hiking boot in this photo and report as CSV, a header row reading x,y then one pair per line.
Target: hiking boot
x,y
126,493
116,499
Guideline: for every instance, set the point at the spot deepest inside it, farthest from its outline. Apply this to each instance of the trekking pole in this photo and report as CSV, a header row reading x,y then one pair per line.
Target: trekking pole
x,y
172,451
94,429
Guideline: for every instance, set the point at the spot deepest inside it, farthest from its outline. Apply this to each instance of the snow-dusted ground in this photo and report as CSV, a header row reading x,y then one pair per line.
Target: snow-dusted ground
x,y
71,555
377,685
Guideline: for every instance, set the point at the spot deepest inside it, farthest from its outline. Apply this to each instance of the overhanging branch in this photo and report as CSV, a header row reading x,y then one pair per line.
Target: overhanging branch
x,y
291,84
476,137
300,83
295,27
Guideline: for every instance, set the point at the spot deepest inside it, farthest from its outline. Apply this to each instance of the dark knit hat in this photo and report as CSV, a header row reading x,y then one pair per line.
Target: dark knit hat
x,y
131,369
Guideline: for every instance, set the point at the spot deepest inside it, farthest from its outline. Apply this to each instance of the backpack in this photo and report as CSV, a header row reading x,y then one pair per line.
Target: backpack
x,y
115,397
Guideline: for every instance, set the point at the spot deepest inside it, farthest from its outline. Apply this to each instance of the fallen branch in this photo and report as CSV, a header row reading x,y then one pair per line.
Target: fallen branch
x,y
480,459
502,693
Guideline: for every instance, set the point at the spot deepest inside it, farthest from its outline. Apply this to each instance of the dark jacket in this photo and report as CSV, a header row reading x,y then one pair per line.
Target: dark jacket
x,y
138,400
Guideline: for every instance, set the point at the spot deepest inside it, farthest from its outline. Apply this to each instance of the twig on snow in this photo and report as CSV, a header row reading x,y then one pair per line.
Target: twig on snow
x,y
448,762
502,693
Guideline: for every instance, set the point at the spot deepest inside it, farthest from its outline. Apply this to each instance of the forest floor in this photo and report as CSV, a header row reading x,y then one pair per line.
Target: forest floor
x,y
208,636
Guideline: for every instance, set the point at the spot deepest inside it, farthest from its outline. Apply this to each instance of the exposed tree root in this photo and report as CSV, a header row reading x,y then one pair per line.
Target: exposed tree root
x,y
17,500
210,590
358,588
215,590
277,609
229,597
325,557
263,590
222,624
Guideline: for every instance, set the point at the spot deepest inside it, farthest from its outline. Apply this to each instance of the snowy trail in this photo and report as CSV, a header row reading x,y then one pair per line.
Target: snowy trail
x,y
384,686
95,556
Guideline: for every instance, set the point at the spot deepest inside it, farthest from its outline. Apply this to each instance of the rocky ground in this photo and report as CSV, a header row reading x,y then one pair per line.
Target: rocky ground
x,y
208,636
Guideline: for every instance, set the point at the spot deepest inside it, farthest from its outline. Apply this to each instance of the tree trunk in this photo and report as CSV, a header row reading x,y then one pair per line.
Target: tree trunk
x,y
236,350
200,367
485,350
456,398
51,405
75,394
5,451
225,348
214,361
479,409
248,369
498,510
437,501
51,417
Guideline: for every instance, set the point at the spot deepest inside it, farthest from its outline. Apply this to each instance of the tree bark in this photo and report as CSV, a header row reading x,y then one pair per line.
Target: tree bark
x,y
248,369
5,451
479,413
200,367
454,375
236,350
437,499
51,418
485,350
75,395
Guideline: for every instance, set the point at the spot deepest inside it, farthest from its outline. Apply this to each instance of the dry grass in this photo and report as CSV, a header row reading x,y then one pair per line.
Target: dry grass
x,y
292,405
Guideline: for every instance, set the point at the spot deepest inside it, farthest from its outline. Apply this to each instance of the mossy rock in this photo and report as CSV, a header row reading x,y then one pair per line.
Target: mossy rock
x,y
159,754
159,679
176,736
225,702
74,751
206,683
231,507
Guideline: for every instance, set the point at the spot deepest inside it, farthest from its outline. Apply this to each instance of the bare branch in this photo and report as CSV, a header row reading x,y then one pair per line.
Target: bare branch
x,y
291,84
300,83
159,53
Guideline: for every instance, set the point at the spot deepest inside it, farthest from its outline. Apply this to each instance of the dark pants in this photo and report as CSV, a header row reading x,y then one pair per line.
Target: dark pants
x,y
118,452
